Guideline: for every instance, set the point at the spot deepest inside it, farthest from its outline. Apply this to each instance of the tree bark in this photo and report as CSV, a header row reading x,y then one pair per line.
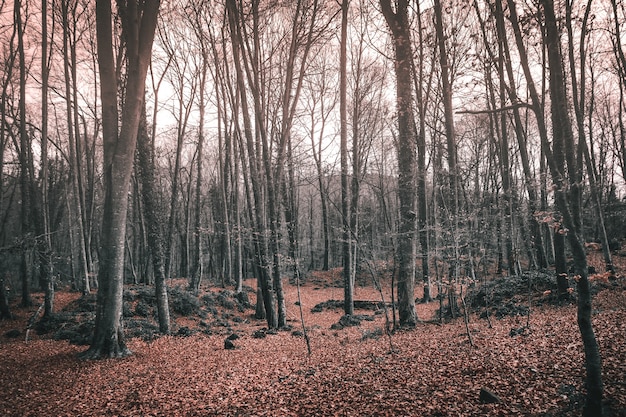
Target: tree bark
x,y
453,174
138,27
421,100
24,159
348,286
75,173
45,242
567,199
399,25
260,241
153,224
579,109
537,109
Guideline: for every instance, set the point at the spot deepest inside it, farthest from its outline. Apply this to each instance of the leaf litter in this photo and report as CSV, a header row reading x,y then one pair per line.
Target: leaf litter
x,y
428,371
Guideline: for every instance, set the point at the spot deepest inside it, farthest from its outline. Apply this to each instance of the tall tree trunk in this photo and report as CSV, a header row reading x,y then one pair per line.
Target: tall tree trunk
x,y
259,231
533,201
504,146
138,27
564,159
579,109
421,100
316,151
183,117
24,158
348,286
537,108
197,228
45,241
452,154
74,157
83,218
398,23
153,223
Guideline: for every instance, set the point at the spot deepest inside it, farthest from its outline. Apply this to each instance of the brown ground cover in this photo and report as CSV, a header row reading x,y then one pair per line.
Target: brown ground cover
x,y
355,371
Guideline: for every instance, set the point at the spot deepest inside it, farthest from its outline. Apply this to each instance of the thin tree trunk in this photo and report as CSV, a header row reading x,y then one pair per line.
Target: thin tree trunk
x,y
260,241
77,221
24,152
452,154
153,223
521,141
504,146
564,159
45,241
422,205
537,108
579,109
348,287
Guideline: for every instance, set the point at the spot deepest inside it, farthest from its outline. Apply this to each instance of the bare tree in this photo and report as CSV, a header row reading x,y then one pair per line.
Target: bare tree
x,y
579,101
183,72
139,22
260,242
348,301
538,111
566,170
45,240
146,170
76,193
25,158
398,23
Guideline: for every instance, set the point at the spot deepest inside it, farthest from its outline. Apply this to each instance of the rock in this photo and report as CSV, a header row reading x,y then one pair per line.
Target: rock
x,y
229,345
185,332
14,333
489,397
233,336
259,334
517,331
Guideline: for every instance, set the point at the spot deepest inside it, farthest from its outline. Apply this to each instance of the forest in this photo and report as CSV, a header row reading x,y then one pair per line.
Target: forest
x,y
312,207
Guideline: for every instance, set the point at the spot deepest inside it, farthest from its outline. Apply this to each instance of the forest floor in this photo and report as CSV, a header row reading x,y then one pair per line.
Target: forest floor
x,y
357,370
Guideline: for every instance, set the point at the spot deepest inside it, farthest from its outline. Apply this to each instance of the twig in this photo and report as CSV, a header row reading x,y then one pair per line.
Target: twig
x,y
33,320
530,301
466,318
304,332
487,303
382,298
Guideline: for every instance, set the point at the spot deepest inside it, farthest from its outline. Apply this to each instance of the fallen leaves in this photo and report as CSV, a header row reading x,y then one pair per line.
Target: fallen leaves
x,y
430,371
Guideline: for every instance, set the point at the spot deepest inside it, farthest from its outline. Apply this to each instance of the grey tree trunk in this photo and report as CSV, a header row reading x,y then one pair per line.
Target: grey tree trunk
x,y
153,223
24,159
348,283
566,166
453,174
537,109
69,64
138,25
260,241
579,109
398,23
421,100
45,242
